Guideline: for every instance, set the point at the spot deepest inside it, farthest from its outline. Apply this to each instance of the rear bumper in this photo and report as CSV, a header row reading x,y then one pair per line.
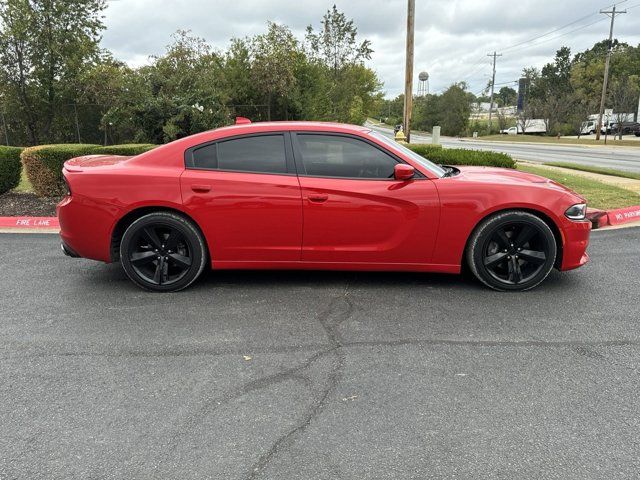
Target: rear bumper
x,y
67,250
575,242
85,227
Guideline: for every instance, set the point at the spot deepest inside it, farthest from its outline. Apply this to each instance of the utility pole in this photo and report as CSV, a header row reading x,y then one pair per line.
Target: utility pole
x,y
493,81
408,73
612,13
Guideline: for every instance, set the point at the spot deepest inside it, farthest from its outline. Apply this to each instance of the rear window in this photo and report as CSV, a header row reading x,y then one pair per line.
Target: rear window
x,y
262,154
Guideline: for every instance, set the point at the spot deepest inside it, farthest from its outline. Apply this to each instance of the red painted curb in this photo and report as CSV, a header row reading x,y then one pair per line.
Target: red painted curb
x,y
624,215
29,222
601,218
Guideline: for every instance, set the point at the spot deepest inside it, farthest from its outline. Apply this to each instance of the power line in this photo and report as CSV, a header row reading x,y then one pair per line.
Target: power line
x,y
550,32
524,47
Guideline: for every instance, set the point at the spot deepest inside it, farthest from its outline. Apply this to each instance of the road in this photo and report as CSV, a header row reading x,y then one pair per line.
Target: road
x,y
623,158
317,375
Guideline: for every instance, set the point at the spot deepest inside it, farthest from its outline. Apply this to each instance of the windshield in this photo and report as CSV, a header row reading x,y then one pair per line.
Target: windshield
x,y
432,167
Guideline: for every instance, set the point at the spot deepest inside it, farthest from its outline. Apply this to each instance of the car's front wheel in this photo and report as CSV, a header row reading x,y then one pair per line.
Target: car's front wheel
x,y
163,252
513,250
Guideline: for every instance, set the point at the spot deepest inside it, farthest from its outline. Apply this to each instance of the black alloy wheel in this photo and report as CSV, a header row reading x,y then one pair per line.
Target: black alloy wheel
x,y
512,251
162,252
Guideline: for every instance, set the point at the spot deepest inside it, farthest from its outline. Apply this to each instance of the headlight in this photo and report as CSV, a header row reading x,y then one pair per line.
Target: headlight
x,y
576,212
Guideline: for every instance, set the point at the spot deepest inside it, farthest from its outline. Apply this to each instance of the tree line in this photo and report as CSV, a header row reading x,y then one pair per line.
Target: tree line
x,y
58,85
563,93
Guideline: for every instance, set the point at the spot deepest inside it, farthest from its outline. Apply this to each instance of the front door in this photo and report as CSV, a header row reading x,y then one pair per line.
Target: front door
x,y
244,193
355,211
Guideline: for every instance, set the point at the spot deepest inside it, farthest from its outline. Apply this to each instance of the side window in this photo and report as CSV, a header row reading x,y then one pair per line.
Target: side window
x,y
264,153
336,156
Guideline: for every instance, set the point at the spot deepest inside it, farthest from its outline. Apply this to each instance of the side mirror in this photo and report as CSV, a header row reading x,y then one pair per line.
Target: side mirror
x,y
402,171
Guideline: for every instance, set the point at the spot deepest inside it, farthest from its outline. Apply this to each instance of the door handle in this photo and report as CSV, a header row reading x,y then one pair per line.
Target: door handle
x,y
201,188
318,197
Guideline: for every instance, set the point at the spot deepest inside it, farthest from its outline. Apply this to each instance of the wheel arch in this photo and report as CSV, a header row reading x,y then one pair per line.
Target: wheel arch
x,y
123,223
545,217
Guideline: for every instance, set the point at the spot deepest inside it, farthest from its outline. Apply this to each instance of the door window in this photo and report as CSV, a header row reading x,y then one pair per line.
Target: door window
x,y
338,156
262,154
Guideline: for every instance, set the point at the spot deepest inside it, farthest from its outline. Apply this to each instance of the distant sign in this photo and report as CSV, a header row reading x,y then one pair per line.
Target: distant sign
x,y
523,87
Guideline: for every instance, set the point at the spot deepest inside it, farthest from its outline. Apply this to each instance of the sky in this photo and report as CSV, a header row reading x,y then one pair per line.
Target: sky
x,y
452,37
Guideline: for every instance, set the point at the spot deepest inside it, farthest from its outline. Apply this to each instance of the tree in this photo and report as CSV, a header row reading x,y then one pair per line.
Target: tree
x,y
507,96
274,58
339,60
450,110
336,43
551,92
44,45
623,98
455,110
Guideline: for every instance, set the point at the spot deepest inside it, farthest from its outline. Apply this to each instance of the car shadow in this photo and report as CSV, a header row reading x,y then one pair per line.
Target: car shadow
x,y
112,274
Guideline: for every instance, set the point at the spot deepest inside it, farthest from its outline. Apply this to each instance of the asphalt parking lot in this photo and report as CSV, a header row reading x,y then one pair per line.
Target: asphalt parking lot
x,y
300,375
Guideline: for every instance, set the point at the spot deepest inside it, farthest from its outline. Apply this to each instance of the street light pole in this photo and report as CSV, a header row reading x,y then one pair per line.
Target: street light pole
x,y
613,14
408,73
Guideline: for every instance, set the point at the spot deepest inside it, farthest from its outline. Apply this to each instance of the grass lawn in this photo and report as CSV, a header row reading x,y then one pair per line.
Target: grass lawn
x,y
566,141
598,195
600,170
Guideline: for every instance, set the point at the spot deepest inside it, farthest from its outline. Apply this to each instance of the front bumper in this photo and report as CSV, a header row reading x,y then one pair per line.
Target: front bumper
x,y
574,244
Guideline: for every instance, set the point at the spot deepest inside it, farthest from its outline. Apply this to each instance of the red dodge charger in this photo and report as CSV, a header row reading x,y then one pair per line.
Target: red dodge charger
x,y
305,195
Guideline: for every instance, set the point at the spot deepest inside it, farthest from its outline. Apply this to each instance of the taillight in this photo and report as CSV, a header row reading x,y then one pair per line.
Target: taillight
x,y
66,186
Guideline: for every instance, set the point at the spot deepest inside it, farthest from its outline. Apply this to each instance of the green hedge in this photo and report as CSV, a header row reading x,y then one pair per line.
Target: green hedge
x,y
43,163
461,156
10,168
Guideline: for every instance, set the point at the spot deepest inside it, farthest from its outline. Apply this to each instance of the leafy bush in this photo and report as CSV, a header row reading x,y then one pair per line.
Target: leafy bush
x,y
10,168
127,149
461,156
43,163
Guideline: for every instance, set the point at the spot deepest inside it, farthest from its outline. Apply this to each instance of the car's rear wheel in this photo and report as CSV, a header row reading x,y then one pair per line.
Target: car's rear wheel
x,y
163,252
513,250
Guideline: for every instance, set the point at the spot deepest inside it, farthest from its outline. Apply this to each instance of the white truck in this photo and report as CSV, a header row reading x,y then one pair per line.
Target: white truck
x,y
591,125
531,126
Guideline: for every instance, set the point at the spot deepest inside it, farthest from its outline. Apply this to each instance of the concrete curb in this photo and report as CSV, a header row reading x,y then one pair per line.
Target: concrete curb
x,y
618,218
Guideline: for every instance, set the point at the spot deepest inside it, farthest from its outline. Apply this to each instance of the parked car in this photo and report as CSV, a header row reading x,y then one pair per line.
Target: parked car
x,y
636,130
625,128
307,195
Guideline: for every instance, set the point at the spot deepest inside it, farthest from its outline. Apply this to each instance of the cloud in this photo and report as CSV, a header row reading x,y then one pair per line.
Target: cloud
x,y
452,37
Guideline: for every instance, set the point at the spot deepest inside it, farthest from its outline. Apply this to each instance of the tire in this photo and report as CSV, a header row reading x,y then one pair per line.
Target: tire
x,y
163,252
512,251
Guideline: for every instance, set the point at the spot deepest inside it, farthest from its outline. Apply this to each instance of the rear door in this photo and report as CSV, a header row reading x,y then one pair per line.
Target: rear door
x,y
355,211
245,195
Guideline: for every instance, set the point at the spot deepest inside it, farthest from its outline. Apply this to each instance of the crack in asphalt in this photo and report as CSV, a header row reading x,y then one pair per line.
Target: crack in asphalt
x,y
340,309
209,407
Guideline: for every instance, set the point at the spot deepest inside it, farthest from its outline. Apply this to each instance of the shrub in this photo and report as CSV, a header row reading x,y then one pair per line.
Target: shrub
x,y
10,168
461,156
43,165
128,149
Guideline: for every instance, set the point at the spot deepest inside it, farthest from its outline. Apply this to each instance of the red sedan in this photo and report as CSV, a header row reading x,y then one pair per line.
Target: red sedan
x,y
304,195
